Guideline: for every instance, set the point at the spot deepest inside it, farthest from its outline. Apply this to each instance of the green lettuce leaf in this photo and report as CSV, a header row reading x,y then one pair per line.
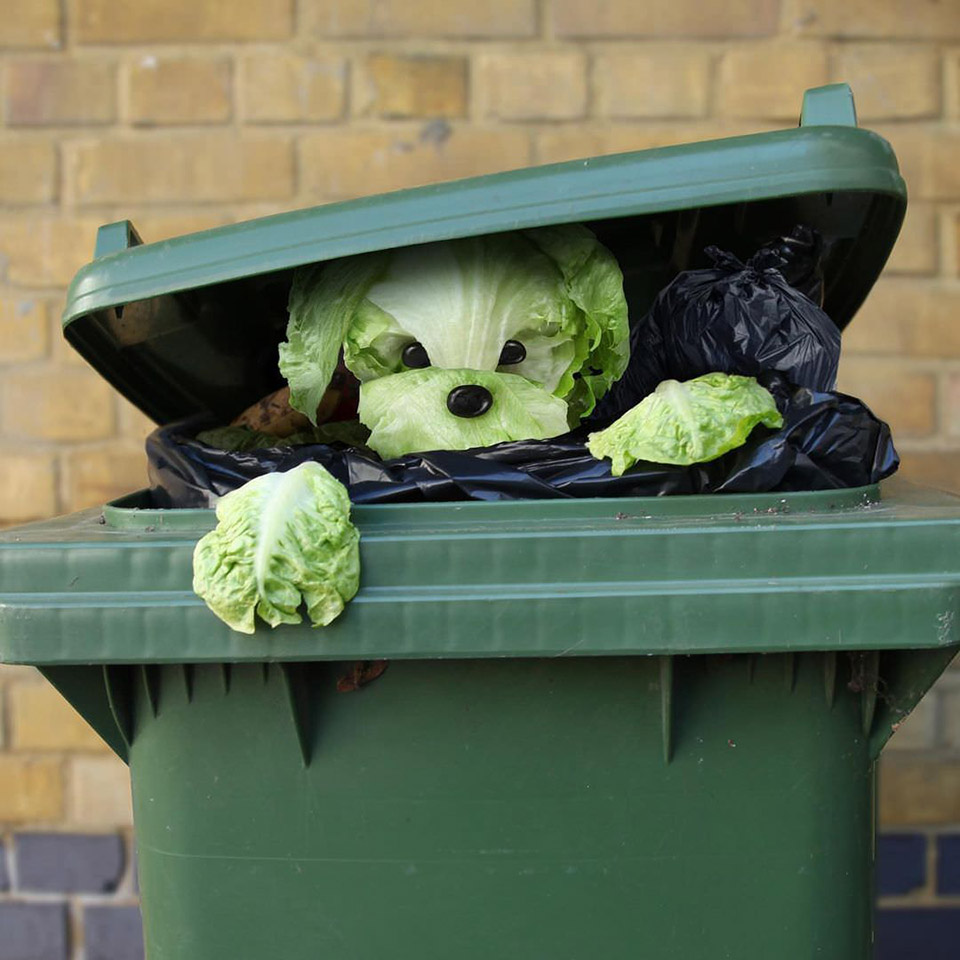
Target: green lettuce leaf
x,y
686,423
323,300
281,540
593,281
408,412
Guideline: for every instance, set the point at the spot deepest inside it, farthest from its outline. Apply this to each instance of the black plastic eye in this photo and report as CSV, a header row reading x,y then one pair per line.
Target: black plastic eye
x,y
415,356
513,352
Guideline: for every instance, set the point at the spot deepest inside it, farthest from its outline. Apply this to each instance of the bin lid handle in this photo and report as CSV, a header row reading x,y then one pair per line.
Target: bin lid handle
x,y
829,106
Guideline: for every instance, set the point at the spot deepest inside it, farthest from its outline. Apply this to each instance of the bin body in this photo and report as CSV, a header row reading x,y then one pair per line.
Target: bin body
x,y
633,734
508,808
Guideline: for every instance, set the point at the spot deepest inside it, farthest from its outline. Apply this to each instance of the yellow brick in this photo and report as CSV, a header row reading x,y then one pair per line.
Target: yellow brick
x,y
951,413
381,160
31,789
286,88
28,486
415,86
919,791
899,80
951,101
419,18
24,328
950,700
895,19
43,92
661,81
91,477
559,143
768,80
913,318
905,398
927,155
664,18
205,167
942,171
932,469
932,330
916,250
30,23
99,792
879,324
45,251
40,719
918,730
10,673
28,172
187,21
51,404
133,424
521,85
178,90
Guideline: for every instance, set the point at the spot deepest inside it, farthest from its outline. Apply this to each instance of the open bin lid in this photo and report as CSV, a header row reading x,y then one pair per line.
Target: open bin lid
x,y
191,325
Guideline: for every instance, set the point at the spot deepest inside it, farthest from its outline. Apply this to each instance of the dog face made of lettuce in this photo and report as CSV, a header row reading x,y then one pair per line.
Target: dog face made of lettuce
x,y
463,343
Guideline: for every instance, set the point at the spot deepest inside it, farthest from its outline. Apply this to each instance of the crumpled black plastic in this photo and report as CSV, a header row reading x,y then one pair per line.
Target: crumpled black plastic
x,y
734,318
758,319
828,441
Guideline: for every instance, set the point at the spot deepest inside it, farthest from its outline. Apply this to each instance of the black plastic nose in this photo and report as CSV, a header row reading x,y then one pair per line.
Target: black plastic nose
x,y
469,400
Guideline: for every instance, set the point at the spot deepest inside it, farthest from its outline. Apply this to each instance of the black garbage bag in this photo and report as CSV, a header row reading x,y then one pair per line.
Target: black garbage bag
x,y
828,441
801,252
734,318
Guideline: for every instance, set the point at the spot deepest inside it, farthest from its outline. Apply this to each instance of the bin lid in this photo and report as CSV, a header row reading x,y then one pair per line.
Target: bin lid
x,y
191,325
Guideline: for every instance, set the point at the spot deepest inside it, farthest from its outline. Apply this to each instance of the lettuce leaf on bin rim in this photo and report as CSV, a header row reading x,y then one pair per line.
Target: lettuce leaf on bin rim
x,y
281,540
408,412
685,423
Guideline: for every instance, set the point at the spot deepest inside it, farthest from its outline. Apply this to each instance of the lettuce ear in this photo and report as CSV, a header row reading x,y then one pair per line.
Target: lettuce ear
x,y
685,423
594,283
323,300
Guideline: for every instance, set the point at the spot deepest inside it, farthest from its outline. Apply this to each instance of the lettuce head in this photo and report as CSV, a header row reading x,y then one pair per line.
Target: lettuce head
x,y
685,423
555,291
282,541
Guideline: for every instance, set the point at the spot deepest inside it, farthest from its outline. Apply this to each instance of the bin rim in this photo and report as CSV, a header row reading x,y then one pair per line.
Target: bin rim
x,y
543,579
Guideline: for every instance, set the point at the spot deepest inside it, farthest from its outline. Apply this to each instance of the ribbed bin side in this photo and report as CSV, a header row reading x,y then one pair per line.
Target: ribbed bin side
x,y
688,808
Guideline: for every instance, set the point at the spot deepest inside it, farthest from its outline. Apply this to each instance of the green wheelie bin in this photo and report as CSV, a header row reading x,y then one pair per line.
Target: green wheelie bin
x,y
611,728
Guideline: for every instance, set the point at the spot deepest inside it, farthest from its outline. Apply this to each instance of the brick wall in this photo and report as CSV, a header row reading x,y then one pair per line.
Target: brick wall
x,y
67,882
184,114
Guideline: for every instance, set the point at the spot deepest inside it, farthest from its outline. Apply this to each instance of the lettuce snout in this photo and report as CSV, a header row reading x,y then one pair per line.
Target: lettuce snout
x,y
411,411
